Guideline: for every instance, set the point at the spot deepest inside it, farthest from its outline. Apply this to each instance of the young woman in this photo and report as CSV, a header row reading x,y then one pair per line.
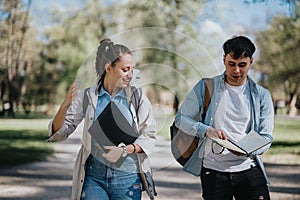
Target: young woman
x,y
95,174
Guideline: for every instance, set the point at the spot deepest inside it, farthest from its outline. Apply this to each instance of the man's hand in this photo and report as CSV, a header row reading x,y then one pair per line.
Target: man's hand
x,y
216,133
236,153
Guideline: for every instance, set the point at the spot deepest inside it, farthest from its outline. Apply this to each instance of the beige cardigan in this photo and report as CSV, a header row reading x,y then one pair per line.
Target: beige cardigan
x,y
146,124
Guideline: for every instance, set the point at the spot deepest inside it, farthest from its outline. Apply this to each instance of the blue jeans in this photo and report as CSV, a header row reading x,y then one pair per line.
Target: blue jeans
x,y
245,185
103,182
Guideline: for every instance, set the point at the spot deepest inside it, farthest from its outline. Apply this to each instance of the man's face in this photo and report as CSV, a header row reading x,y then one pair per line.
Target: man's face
x,y
236,69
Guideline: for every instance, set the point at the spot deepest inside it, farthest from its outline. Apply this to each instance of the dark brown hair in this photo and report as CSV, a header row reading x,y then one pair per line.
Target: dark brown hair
x,y
239,46
108,53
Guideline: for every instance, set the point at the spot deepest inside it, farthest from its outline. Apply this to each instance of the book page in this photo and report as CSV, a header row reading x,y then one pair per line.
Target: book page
x,y
248,144
252,141
228,144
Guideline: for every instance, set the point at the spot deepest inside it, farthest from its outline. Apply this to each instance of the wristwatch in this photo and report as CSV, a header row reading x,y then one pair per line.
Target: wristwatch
x,y
124,153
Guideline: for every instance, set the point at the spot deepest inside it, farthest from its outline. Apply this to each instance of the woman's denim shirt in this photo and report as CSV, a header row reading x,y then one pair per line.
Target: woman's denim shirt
x,y
189,117
120,98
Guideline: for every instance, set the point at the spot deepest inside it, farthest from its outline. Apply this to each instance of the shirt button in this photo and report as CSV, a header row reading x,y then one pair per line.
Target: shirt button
x,y
91,118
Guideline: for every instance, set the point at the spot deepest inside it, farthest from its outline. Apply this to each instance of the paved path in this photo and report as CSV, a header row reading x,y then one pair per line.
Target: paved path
x,y
51,179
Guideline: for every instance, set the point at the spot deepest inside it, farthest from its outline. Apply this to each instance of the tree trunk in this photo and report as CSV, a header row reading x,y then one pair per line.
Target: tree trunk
x,y
9,52
20,59
15,52
293,109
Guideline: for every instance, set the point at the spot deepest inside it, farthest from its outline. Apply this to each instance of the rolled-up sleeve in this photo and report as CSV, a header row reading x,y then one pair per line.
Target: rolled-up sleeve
x,y
73,117
265,119
147,126
188,117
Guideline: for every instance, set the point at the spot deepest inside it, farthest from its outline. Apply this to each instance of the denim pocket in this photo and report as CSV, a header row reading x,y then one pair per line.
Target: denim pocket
x,y
129,165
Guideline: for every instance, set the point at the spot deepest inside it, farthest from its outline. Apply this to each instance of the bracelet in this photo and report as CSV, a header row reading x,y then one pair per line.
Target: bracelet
x,y
134,147
124,153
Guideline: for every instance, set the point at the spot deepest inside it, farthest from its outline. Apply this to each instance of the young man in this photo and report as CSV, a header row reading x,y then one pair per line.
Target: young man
x,y
238,105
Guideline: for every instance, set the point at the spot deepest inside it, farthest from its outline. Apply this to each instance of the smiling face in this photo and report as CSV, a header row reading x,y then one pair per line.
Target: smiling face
x,y
120,75
236,69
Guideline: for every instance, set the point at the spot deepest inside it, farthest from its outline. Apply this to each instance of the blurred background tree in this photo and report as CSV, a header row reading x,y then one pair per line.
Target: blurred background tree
x,y
18,57
279,48
37,68
176,16
69,41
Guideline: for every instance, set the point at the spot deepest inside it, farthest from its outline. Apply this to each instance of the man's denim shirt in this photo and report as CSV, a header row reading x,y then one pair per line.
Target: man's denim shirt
x,y
189,117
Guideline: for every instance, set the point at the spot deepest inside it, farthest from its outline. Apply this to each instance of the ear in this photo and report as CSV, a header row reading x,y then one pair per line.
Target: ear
x,y
107,67
251,60
224,56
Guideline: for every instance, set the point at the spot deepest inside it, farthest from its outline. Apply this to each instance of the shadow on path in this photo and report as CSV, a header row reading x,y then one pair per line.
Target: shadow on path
x,y
52,179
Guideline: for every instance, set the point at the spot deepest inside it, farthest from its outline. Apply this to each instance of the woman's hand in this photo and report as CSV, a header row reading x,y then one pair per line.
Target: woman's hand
x,y
59,118
72,93
113,154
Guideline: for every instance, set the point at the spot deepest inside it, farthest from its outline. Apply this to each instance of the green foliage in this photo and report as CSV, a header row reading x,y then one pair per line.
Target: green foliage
x,y
19,52
279,52
164,55
279,47
71,41
73,35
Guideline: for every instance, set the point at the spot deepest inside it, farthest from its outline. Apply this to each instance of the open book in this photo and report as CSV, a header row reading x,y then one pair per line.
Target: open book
x,y
247,145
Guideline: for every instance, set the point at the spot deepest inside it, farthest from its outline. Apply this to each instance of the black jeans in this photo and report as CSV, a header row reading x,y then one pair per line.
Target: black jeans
x,y
245,185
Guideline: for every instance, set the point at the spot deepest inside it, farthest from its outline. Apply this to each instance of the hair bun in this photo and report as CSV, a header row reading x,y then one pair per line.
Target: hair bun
x,y
106,44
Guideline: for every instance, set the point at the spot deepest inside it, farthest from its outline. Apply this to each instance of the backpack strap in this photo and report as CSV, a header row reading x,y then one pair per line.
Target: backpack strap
x,y
209,87
85,101
135,99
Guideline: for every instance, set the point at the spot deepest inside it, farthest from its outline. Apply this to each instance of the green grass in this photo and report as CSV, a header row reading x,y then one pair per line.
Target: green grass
x,y
286,134
286,137
31,115
163,123
23,141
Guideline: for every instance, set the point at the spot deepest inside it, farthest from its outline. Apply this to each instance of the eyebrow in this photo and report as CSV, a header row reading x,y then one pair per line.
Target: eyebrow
x,y
128,66
232,62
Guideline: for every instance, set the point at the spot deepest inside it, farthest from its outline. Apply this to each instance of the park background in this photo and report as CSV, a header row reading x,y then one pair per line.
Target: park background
x,y
47,45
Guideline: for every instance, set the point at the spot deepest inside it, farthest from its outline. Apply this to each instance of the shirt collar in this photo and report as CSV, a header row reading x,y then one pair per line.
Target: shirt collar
x,y
251,83
121,93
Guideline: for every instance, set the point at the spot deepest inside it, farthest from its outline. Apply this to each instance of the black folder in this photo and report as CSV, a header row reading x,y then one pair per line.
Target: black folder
x,y
112,128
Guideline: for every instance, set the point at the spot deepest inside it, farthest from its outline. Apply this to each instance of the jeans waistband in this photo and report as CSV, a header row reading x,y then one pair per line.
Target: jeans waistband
x,y
204,169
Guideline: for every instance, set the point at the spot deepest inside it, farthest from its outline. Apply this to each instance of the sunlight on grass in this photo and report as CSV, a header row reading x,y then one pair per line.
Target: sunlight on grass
x,y
23,141
286,137
20,124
